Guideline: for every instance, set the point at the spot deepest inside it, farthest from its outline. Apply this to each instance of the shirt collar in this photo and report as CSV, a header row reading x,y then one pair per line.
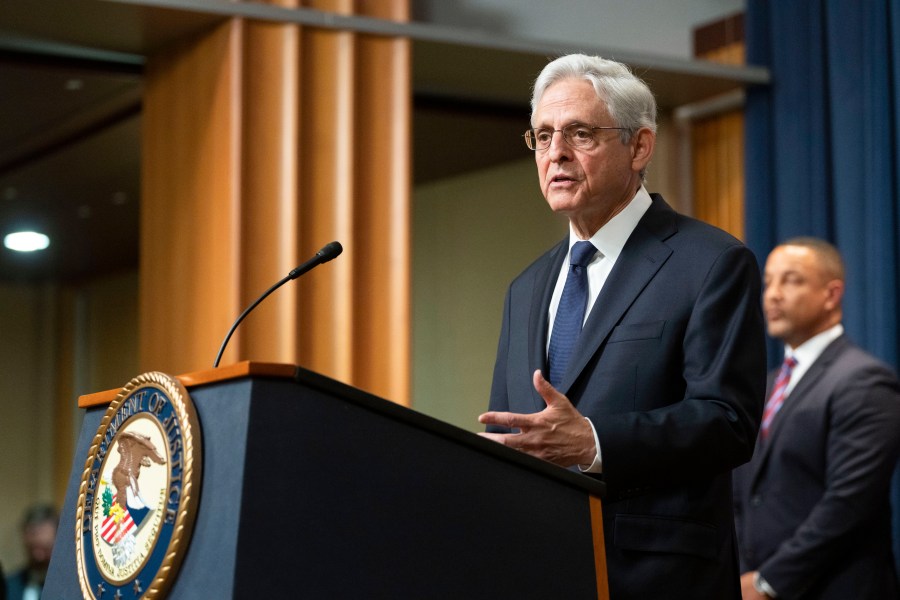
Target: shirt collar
x,y
611,238
807,352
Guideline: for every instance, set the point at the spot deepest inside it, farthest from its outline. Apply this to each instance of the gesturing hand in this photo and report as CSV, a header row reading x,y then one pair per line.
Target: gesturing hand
x,y
558,434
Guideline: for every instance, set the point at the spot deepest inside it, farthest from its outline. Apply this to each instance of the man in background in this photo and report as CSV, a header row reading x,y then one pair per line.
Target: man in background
x,y
812,507
633,349
38,535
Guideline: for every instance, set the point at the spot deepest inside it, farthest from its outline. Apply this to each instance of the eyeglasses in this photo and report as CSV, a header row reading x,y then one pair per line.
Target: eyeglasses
x,y
576,135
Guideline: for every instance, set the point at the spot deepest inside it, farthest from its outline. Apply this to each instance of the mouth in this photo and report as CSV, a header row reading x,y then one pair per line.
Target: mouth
x,y
773,315
562,179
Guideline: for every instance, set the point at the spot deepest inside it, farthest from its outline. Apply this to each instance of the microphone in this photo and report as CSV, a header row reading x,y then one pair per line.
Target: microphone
x,y
328,252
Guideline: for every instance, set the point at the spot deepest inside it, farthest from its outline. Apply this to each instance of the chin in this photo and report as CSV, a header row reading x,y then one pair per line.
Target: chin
x,y
565,206
779,333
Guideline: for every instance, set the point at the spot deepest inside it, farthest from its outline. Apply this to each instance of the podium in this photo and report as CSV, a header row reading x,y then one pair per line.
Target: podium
x,y
314,489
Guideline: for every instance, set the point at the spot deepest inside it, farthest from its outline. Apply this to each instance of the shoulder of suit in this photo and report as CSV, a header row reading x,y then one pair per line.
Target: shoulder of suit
x,y
543,261
844,356
665,222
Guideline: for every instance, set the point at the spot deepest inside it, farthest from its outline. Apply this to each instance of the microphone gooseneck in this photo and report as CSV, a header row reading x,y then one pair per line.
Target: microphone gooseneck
x,y
328,252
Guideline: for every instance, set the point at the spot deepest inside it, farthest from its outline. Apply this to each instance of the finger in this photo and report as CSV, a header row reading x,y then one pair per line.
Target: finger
x,y
504,419
510,440
543,387
500,438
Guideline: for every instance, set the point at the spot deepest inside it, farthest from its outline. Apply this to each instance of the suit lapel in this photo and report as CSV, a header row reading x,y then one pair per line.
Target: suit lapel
x,y
542,291
796,398
641,258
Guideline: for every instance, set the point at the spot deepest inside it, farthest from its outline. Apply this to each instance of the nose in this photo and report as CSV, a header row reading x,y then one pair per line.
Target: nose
x,y
559,148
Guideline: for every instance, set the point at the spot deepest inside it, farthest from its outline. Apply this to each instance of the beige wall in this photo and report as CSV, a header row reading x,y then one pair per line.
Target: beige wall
x,y
102,319
26,403
471,235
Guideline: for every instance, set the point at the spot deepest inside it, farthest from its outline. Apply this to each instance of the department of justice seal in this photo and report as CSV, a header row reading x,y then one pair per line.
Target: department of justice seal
x,y
139,492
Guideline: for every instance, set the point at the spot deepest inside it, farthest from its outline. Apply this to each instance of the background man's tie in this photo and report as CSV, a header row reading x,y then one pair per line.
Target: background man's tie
x,y
570,314
773,404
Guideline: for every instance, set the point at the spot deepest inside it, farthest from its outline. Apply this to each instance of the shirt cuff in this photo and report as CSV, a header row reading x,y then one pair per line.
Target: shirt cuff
x,y
597,465
762,586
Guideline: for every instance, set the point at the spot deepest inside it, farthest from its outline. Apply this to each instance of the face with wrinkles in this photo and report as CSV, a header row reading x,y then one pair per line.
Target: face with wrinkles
x,y
588,185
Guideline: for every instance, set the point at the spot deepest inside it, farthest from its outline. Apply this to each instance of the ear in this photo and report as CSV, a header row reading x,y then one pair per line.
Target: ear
x,y
642,144
835,292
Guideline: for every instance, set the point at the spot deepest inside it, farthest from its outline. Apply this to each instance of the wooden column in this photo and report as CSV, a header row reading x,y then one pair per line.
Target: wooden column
x,y
262,143
718,142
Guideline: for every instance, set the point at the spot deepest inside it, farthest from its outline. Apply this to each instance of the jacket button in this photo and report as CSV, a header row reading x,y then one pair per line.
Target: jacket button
x,y
756,500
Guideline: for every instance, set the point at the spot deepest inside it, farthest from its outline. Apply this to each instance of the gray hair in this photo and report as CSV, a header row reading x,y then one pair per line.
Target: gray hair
x,y
629,101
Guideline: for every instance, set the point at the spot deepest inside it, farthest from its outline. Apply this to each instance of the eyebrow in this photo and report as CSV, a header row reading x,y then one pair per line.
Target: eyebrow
x,y
564,126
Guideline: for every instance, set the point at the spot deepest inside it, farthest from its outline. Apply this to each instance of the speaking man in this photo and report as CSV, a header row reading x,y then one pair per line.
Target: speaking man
x,y
634,349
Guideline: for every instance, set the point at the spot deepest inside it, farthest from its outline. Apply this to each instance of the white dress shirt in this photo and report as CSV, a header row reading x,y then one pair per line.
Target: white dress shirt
x,y
609,241
807,353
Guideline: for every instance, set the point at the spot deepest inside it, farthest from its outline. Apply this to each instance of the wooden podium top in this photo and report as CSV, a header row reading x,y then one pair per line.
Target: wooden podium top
x,y
195,378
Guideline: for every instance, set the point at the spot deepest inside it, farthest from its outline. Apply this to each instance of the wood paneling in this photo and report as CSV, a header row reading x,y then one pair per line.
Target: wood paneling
x,y
719,171
718,158
596,508
263,142
382,153
269,204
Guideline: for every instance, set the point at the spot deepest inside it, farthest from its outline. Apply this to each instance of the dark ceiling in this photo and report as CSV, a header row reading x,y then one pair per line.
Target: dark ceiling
x,y
69,166
70,90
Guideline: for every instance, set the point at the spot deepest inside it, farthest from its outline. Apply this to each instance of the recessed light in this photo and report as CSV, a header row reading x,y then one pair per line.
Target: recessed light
x,y
26,241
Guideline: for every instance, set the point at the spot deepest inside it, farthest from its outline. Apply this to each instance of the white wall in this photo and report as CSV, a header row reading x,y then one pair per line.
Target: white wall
x,y
658,27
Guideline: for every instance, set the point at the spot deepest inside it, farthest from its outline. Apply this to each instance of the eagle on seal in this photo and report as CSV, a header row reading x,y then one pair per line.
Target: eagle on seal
x,y
137,451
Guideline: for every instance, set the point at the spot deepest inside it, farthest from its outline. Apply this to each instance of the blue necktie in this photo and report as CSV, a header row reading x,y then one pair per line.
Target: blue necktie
x,y
570,314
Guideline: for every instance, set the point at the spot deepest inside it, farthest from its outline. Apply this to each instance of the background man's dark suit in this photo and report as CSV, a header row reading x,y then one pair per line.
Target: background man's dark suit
x,y
670,369
812,506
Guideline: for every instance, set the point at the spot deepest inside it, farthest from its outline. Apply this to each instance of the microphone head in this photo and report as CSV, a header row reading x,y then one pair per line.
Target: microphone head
x,y
330,251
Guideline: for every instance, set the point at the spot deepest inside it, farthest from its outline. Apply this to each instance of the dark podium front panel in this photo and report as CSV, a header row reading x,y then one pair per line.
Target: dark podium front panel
x,y
314,489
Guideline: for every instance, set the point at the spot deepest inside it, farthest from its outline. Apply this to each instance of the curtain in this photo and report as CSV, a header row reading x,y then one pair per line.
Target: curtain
x,y
823,150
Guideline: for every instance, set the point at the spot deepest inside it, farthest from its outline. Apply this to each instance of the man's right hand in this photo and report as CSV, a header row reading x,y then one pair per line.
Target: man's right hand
x,y
748,590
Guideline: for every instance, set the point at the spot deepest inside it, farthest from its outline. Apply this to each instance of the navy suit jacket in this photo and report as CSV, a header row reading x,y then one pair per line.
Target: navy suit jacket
x,y
670,368
16,584
812,506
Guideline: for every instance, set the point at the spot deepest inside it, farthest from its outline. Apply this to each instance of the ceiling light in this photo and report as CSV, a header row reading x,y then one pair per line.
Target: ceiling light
x,y
26,241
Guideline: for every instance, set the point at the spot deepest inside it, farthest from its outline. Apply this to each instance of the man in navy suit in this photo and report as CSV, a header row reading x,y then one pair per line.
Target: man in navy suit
x,y
812,507
660,393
